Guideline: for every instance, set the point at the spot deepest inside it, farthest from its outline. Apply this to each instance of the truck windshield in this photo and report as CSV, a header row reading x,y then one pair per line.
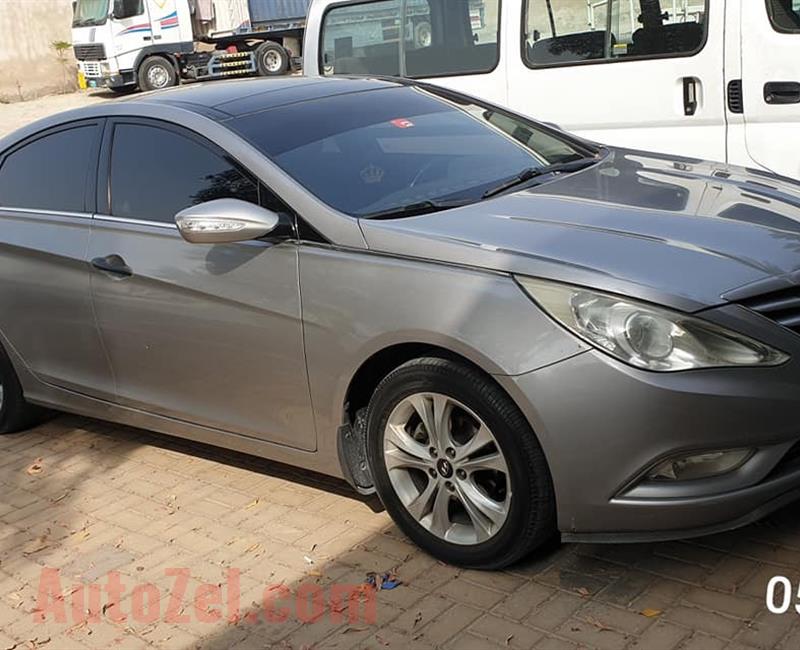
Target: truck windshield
x,y
90,12
375,152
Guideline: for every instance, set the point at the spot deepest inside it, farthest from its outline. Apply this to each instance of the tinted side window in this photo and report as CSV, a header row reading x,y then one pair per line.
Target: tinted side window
x,y
570,31
415,38
784,15
50,173
156,173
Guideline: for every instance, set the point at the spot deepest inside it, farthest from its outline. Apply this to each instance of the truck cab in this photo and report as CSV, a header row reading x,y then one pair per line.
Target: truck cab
x,y
112,37
709,79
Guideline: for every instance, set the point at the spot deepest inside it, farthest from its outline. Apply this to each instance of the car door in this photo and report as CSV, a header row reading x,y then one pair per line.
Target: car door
x,y
770,37
46,201
207,334
637,73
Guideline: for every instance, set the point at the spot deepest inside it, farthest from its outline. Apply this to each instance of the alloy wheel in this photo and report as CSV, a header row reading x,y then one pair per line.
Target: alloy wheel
x,y
447,468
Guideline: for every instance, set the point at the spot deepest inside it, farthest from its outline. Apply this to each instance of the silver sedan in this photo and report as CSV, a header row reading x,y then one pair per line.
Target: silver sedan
x,y
503,330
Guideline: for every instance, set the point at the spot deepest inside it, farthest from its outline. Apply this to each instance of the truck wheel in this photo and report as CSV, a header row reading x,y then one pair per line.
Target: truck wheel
x,y
423,37
272,59
156,73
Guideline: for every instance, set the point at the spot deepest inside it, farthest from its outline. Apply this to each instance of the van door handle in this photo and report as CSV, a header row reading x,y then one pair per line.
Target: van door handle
x,y
690,95
782,92
113,265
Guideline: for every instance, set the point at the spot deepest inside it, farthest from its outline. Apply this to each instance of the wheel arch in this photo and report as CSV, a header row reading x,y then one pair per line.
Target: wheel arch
x,y
157,50
350,440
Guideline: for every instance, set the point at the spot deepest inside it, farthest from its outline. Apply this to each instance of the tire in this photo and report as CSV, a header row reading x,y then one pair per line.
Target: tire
x,y
423,36
272,60
15,413
518,493
156,73
121,90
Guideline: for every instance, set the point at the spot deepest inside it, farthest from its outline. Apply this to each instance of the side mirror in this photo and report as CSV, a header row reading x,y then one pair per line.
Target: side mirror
x,y
225,221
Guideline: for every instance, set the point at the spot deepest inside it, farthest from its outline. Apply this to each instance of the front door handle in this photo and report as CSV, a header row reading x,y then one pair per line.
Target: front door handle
x,y
114,265
782,92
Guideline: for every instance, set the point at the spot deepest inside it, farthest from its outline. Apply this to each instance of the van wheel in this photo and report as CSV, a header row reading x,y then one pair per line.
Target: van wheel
x,y
15,413
272,59
457,465
156,73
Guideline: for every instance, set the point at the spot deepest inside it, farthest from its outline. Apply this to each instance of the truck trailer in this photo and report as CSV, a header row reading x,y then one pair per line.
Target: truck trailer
x,y
152,44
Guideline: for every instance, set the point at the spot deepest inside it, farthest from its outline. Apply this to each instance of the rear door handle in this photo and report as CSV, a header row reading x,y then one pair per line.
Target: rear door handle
x,y
782,92
113,265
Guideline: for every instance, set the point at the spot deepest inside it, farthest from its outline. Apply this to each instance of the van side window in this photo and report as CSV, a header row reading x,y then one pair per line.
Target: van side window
x,y
784,15
560,32
415,38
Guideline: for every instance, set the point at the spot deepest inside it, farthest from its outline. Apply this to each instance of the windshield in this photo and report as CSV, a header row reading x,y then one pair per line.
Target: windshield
x,y
375,151
90,12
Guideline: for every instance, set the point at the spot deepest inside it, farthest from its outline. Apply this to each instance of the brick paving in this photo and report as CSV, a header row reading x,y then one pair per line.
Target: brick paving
x,y
93,499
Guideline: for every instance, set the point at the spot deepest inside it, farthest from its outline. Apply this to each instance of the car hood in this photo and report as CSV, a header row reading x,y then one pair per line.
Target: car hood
x,y
676,231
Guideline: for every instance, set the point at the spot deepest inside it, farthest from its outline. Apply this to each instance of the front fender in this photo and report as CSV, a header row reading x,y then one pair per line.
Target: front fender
x,y
357,303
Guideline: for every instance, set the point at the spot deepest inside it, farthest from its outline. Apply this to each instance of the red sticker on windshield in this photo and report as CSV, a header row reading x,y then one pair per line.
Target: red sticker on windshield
x,y
403,123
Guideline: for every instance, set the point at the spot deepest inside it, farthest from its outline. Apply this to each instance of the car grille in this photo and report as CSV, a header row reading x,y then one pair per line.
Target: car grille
x,y
91,69
782,306
89,52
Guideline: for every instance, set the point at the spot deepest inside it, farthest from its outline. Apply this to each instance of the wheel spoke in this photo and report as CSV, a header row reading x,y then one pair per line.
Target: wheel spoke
x,y
435,411
481,439
401,440
480,507
493,461
400,459
440,515
420,505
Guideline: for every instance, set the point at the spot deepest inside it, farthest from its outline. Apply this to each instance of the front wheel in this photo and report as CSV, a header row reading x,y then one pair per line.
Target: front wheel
x,y
457,465
156,73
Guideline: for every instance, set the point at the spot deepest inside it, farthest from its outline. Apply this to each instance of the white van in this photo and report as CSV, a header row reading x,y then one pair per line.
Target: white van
x,y
713,79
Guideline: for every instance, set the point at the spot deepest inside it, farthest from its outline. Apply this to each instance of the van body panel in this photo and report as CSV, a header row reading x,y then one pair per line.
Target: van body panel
x,y
675,102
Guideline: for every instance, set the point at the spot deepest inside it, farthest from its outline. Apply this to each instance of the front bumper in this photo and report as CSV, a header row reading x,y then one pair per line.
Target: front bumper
x,y
89,78
602,424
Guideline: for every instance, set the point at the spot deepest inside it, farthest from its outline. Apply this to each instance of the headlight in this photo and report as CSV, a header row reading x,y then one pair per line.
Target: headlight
x,y
645,336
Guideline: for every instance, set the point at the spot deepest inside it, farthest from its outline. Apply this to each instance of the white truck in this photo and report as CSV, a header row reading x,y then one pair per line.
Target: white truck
x,y
153,44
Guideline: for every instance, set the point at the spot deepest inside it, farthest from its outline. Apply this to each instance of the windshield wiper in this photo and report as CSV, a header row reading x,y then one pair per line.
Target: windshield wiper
x,y
415,209
533,172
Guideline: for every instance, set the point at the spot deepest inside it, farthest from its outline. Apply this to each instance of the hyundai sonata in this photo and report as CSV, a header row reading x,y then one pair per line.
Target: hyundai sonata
x,y
503,330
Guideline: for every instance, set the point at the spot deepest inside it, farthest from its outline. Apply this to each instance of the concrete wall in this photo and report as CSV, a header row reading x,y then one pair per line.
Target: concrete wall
x,y
29,66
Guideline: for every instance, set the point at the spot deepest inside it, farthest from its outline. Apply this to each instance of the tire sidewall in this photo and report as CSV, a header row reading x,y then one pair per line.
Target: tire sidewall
x,y
407,381
149,64
261,53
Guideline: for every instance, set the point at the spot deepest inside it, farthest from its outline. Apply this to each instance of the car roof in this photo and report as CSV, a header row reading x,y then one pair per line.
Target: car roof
x,y
233,98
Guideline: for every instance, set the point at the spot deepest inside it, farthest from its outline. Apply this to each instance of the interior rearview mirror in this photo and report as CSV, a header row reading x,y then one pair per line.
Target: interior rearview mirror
x,y
224,221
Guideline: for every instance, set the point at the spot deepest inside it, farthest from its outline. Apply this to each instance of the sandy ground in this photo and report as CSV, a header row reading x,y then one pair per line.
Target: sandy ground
x,y
14,116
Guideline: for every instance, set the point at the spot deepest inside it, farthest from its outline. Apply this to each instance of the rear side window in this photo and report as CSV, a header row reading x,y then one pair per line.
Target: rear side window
x,y
563,32
156,173
412,38
784,15
50,173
